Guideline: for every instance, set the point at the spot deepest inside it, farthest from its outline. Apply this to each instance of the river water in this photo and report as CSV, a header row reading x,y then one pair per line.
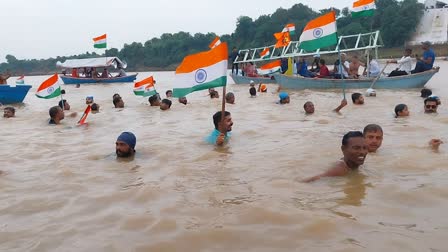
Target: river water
x,y
63,190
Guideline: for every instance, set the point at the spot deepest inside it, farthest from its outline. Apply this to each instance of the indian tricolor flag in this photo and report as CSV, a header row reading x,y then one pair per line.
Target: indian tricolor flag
x,y
319,33
145,87
291,28
20,80
270,68
215,42
100,42
49,88
363,8
201,71
265,53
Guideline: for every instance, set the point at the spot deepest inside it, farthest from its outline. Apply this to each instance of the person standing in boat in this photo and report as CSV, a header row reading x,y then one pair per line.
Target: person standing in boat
x,y
232,58
426,63
404,64
105,73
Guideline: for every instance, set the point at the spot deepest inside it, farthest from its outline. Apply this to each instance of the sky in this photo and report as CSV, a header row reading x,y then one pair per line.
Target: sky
x,y
36,29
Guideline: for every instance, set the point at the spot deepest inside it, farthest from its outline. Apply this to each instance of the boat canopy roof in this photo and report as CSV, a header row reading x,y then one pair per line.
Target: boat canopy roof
x,y
92,62
346,43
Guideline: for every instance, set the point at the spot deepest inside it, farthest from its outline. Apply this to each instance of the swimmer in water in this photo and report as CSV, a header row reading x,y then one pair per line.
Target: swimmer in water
x,y
373,133
221,133
354,149
125,145
401,110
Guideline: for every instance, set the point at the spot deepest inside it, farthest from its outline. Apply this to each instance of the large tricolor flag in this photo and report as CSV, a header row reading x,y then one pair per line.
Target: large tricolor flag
x,y
50,88
319,33
202,71
145,87
215,42
270,68
363,8
265,53
291,28
100,42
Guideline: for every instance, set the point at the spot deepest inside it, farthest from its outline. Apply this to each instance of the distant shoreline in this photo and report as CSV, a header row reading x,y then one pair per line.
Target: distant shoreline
x,y
383,54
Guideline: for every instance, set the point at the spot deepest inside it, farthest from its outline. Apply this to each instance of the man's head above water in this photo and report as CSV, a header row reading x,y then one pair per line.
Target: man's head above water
x,y
125,144
373,133
354,148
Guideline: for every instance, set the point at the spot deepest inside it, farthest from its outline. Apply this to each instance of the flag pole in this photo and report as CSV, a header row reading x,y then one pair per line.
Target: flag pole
x,y
341,72
62,99
223,107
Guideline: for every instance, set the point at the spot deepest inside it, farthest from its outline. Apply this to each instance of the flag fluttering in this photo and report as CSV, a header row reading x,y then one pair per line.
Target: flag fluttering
x,y
270,68
84,116
100,42
282,38
21,80
145,87
363,8
50,88
202,71
265,53
291,28
215,42
320,32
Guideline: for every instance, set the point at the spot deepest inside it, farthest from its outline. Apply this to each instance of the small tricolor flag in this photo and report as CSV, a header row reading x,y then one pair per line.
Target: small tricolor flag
x,y
291,28
50,88
319,33
145,87
270,68
363,8
282,38
201,71
84,116
215,43
100,42
20,80
265,53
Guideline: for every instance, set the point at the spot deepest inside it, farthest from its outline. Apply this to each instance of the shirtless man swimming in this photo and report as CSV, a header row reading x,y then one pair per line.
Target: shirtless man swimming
x,y
354,148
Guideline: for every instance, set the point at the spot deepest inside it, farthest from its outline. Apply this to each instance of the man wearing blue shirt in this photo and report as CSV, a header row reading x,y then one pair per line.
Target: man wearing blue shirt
x,y
221,133
426,63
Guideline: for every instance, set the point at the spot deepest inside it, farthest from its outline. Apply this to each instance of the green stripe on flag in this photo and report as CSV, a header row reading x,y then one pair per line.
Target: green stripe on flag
x,y
100,45
181,92
366,13
56,93
149,93
322,42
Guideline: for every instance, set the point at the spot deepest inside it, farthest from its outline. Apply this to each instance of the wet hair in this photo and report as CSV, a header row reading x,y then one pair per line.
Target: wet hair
x,y
53,111
431,99
409,50
214,94
13,110
322,61
253,91
351,134
116,100
153,98
399,108
355,96
168,102
168,91
63,91
306,103
217,117
95,107
60,103
229,95
115,95
372,128
425,93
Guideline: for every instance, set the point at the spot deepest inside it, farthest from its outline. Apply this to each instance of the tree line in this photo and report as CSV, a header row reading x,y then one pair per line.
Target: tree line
x,y
397,21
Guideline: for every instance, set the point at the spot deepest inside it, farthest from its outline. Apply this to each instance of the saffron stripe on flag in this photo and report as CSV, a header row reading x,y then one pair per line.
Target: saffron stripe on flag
x,y
321,21
203,59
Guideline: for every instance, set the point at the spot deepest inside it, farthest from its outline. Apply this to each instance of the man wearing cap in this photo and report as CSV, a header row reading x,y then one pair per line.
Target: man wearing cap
x,y
125,145
284,98
426,63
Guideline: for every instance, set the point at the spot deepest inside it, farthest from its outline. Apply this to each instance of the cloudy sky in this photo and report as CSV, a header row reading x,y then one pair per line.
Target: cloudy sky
x,y
48,28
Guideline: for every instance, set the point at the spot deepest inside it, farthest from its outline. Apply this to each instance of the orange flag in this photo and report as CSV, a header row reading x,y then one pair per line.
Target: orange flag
x,y
282,38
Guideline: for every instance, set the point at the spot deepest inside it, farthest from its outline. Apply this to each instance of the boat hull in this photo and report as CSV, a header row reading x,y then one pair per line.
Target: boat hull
x,y
73,80
10,95
238,79
399,82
